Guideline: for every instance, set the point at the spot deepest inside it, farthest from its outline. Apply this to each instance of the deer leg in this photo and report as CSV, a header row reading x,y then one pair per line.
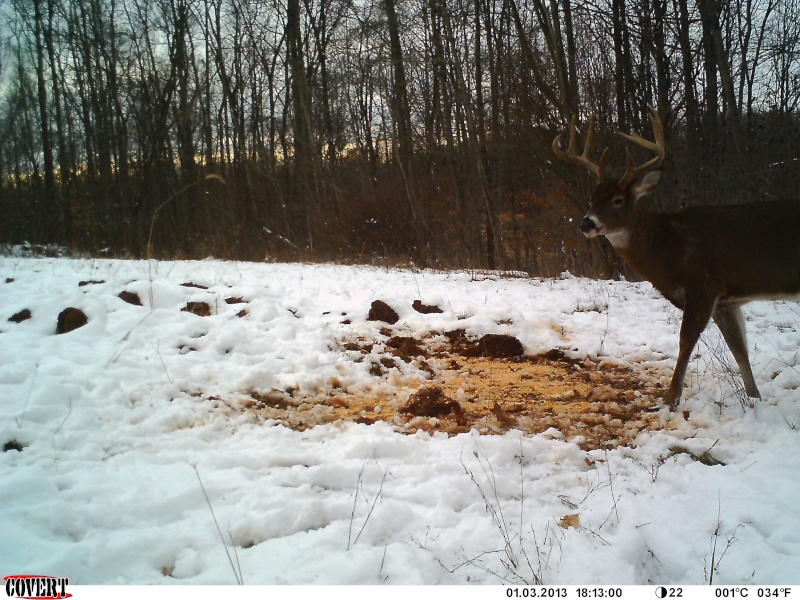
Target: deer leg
x,y
730,321
696,315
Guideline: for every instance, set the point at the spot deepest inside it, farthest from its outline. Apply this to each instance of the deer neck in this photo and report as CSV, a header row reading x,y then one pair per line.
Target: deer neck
x,y
630,241
644,245
620,240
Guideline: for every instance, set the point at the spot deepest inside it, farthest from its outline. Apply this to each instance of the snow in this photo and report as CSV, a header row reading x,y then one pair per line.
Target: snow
x,y
137,470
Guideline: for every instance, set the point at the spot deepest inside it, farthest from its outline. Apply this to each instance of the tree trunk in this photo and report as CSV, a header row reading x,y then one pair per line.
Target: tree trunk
x,y
47,145
687,68
183,120
717,57
621,63
401,112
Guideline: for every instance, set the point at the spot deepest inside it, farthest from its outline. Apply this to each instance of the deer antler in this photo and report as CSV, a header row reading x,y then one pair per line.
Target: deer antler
x,y
583,159
659,147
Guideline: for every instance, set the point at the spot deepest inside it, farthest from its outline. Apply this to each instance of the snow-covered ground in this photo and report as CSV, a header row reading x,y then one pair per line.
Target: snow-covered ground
x,y
135,469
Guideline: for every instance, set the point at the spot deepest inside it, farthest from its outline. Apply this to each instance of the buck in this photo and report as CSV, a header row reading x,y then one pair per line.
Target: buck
x,y
707,260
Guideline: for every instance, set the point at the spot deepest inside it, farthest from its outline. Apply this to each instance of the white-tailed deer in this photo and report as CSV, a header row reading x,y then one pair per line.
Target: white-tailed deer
x,y
706,260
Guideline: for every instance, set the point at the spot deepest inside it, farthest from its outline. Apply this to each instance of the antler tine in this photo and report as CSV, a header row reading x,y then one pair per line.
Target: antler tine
x,y
583,159
659,147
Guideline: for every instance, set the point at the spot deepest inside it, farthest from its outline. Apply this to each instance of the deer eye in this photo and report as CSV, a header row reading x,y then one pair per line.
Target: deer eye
x,y
618,201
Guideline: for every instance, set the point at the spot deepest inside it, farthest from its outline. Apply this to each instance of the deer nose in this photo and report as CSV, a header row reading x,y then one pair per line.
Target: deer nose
x,y
588,225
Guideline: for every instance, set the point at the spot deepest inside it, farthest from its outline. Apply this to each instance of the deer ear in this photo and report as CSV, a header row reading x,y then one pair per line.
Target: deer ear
x,y
646,185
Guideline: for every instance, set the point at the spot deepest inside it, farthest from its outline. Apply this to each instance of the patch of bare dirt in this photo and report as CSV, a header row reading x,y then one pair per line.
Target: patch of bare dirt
x,y
469,384
201,309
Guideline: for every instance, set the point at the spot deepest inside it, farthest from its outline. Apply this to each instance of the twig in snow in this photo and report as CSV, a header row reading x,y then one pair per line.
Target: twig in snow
x,y
513,545
611,486
371,508
730,537
383,561
161,358
237,574
355,500
69,412
493,507
21,420
124,451
115,357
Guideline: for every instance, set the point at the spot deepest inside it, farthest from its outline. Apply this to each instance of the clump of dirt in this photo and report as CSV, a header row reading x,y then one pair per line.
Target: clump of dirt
x,y
70,319
458,342
492,345
130,297
13,445
425,309
201,309
269,400
431,401
500,346
20,316
380,311
406,347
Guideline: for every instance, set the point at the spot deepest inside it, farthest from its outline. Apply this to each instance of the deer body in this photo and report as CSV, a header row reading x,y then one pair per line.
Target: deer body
x,y
736,253
706,260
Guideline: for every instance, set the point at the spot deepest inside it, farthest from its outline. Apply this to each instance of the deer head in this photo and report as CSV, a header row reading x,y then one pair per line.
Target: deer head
x,y
613,204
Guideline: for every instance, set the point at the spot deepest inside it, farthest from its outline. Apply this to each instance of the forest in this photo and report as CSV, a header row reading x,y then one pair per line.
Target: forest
x,y
396,132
